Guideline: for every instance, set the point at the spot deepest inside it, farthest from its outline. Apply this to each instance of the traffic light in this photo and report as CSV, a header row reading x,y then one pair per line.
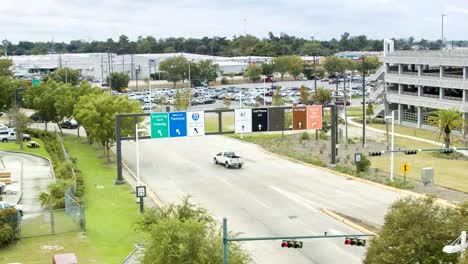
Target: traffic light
x,y
411,152
291,244
371,154
447,151
353,241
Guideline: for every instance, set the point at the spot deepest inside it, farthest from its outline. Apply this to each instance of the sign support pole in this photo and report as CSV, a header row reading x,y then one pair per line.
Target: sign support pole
x,y
225,241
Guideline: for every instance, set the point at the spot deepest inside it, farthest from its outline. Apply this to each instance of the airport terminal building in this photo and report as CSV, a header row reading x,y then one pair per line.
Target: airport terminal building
x,y
420,82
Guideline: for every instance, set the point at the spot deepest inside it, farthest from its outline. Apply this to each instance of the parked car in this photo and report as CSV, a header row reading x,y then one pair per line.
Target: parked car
x,y
36,118
228,159
6,205
268,79
10,135
69,124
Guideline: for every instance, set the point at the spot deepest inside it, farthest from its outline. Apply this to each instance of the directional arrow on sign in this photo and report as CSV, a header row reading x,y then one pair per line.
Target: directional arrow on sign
x,y
196,130
259,126
160,133
177,131
243,127
299,124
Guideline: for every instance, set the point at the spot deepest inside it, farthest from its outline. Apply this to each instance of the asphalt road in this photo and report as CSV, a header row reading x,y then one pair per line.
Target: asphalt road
x,y
269,196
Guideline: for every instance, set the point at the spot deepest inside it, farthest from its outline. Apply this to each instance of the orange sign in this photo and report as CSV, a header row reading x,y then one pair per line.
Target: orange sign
x,y
314,117
299,118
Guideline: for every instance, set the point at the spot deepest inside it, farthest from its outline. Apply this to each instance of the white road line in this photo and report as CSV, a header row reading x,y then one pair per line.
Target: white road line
x,y
304,202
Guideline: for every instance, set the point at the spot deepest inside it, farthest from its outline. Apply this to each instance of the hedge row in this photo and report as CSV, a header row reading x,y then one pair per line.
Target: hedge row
x,y
8,226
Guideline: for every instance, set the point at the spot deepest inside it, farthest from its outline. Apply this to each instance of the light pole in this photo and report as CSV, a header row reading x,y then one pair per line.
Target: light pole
x,y
442,37
264,91
137,130
66,71
393,141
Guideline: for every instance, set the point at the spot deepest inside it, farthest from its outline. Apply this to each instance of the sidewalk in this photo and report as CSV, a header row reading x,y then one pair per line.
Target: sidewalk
x,y
450,195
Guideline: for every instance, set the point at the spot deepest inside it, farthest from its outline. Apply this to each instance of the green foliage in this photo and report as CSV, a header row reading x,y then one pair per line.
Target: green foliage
x,y
322,96
227,102
253,72
304,95
20,123
8,86
181,100
118,81
370,109
176,69
305,136
288,64
55,195
267,69
8,226
224,81
415,231
5,67
64,75
204,70
351,141
446,120
365,164
334,65
185,233
277,99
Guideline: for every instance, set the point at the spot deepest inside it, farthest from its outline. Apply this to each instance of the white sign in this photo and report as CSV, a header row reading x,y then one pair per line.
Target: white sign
x,y
243,120
195,123
141,191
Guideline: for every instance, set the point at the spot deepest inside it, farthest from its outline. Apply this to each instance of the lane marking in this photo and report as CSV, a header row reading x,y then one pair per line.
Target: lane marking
x,y
302,201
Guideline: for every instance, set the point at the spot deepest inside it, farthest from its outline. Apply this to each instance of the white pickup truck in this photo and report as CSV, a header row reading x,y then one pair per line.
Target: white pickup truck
x,y
228,159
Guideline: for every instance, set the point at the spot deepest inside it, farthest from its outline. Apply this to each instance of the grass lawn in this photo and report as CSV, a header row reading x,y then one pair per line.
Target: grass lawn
x,y
110,214
421,133
13,146
449,173
354,110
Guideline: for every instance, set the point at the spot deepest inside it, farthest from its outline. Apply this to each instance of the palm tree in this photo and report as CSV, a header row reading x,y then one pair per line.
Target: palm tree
x,y
446,120
323,96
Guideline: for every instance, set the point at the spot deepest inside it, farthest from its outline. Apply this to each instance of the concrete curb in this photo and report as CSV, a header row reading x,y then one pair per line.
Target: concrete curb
x,y
410,193
347,222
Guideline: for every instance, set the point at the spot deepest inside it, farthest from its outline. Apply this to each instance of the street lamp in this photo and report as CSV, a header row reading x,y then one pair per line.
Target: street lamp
x,y
66,71
393,145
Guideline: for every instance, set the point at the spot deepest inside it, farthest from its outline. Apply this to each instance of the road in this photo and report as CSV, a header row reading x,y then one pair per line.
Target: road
x,y
270,196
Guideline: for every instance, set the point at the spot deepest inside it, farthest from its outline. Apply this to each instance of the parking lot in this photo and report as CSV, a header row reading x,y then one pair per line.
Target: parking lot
x,y
246,95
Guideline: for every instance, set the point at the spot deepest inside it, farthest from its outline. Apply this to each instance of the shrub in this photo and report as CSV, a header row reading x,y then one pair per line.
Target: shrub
x,y
351,141
8,225
224,81
364,164
305,136
323,135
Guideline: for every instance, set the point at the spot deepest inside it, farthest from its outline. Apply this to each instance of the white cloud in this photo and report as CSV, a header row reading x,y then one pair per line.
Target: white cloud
x,y
98,20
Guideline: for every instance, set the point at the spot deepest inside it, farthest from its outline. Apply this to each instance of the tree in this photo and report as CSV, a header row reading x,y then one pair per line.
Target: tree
x,y
181,100
267,69
304,95
65,75
323,96
232,75
176,69
207,71
8,87
334,65
5,67
118,80
253,72
277,98
20,123
185,233
288,64
415,231
227,102
446,120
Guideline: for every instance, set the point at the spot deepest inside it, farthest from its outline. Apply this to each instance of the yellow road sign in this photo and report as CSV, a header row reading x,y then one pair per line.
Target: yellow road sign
x,y
405,167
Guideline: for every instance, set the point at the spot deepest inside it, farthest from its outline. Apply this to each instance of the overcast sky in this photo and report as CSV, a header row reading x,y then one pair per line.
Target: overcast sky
x,y
65,20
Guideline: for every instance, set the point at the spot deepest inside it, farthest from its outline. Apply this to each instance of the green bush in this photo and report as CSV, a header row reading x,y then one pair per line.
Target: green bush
x,y
365,164
351,141
8,226
224,81
305,136
323,135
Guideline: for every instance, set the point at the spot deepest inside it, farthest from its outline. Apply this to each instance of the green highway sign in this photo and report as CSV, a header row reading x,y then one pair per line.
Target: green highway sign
x,y
159,125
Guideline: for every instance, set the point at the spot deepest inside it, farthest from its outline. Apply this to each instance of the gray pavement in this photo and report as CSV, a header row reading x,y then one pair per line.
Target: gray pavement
x,y
270,196
36,173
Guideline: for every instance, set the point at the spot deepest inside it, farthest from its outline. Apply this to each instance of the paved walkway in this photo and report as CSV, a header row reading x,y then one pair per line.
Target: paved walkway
x,y
30,176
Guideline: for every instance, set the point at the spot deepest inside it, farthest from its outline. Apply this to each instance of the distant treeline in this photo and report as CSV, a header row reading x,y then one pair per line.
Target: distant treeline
x,y
283,44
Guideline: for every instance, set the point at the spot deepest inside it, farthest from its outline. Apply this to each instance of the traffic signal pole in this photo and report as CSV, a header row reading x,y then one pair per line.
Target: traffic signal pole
x,y
227,239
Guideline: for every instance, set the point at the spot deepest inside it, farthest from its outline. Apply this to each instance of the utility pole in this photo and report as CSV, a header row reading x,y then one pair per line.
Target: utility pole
x,y
109,71
442,37
364,101
102,69
131,65
189,85
345,112
315,73
123,63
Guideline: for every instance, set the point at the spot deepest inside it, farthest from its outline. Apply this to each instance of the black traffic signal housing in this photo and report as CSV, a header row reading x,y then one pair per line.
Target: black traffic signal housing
x,y
353,241
291,244
411,152
447,151
372,154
